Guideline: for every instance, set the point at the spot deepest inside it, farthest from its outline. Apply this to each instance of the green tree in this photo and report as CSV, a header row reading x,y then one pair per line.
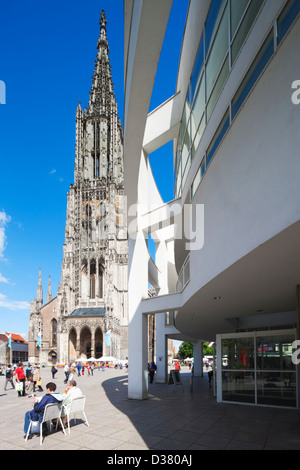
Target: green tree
x,y
207,350
186,349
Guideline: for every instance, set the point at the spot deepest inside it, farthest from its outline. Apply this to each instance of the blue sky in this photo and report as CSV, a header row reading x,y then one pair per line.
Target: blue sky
x,y
47,59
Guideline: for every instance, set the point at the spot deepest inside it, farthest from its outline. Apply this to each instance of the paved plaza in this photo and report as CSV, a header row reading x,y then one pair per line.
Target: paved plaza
x,y
174,419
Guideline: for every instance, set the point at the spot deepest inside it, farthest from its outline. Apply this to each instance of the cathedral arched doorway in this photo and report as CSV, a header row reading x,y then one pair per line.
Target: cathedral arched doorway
x,y
98,343
72,345
85,342
52,357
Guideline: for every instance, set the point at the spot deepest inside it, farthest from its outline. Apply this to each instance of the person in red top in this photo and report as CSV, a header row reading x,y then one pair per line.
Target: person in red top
x,y
20,376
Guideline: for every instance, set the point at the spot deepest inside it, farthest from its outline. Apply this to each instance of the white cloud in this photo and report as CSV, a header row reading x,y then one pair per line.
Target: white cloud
x,y
13,304
4,220
3,279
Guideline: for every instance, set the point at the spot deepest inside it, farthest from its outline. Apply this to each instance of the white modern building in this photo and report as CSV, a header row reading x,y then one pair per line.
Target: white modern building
x,y
227,264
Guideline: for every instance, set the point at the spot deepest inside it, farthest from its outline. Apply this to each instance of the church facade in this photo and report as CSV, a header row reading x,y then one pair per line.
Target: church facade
x,y
89,317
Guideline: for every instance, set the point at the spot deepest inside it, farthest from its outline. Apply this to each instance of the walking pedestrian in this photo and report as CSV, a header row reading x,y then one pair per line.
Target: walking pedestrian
x,y
53,371
9,377
67,373
152,368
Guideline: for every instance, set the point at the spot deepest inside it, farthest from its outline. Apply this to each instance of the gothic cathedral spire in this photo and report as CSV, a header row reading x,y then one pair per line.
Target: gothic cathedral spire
x,y
92,295
99,135
95,261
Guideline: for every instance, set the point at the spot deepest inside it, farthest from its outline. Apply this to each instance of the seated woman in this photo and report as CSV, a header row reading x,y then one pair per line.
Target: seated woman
x,y
71,392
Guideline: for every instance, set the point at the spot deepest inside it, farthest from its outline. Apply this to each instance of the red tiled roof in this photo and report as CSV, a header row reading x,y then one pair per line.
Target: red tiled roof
x,y
16,338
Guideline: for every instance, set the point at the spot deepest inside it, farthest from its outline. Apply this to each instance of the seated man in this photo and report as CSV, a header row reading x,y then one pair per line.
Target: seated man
x,y
37,413
71,392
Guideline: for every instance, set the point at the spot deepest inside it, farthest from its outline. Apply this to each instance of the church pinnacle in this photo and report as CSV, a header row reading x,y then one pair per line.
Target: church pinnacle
x,y
49,293
39,296
102,90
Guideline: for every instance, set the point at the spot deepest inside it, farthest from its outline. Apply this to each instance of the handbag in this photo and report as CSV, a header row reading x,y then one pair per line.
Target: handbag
x,y
19,386
39,382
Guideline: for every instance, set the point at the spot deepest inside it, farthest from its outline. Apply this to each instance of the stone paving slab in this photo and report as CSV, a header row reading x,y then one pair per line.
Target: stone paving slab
x,y
170,420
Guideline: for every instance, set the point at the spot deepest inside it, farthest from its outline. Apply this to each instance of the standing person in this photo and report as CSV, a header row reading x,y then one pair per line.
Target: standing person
x,y
28,371
67,373
53,371
78,367
29,388
152,369
36,378
72,372
20,376
9,377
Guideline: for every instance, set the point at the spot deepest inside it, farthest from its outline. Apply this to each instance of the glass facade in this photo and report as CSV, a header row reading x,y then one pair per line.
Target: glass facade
x,y
227,25
258,369
226,29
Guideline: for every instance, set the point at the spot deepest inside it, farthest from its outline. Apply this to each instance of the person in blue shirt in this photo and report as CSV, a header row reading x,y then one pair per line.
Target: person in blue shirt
x,y
78,367
37,413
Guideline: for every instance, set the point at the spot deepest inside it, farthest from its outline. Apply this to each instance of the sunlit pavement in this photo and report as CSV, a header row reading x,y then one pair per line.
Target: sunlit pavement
x,y
173,418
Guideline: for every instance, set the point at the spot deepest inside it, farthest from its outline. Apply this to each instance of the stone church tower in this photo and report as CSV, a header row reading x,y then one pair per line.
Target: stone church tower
x,y
89,314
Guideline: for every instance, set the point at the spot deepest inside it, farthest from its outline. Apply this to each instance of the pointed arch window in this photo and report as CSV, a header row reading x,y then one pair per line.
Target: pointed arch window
x,y
93,279
54,332
100,284
97,166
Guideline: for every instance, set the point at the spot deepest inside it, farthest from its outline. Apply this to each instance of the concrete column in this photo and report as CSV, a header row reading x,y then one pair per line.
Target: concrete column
x,y
198,359
161,350
138,325
161,261
298,338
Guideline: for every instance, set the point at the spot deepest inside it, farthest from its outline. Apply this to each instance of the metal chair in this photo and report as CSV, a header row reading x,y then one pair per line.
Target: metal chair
x,y
77,406
52,411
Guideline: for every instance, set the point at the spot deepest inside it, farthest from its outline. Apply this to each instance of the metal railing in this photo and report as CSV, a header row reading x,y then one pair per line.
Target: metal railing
x,y
184,275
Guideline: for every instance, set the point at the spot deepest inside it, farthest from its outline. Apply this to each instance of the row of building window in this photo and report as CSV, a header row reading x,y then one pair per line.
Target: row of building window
x,y
226,28
274,38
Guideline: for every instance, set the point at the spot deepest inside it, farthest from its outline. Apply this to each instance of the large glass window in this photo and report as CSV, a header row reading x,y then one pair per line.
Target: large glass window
x,y
224,125
244,27
259,369
225,30
212,21
198,108
198,177
197,69
276,388
217,88
275,352
238,386
217,54
237,9
239,353
253,74
286,18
